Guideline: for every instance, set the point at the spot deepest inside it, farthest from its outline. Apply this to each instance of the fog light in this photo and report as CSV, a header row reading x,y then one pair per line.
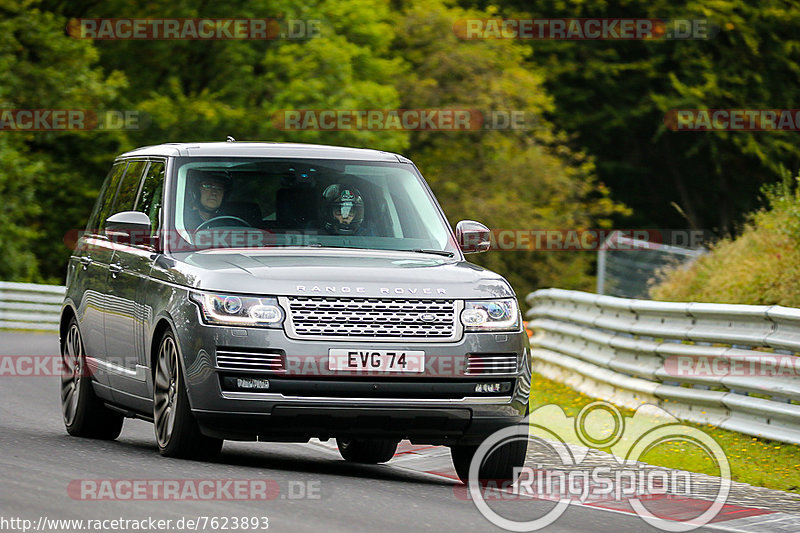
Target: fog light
x,y
252,383
492,388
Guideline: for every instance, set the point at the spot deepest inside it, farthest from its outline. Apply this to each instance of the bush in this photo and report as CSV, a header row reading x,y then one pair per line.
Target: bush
x,y
760,266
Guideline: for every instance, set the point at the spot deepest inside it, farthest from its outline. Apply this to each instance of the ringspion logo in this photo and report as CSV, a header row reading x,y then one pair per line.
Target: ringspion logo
x,y
563,475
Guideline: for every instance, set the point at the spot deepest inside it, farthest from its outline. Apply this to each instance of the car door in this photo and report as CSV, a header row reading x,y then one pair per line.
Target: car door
x,y
89,265
124,313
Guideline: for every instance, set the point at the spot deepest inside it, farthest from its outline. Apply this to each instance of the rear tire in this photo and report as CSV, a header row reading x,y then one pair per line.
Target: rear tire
x,y
367,451
498,466
84,413
177,432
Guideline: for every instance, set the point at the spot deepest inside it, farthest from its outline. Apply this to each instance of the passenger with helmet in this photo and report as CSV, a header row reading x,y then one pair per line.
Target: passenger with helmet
x,y
342,210
207,192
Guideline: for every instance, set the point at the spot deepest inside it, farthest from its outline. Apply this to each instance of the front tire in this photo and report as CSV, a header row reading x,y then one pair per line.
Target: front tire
x,y
367,451
83,412
177,432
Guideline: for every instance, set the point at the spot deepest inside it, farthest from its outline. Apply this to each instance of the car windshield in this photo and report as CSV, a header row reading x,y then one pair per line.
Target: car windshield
x,y
261,203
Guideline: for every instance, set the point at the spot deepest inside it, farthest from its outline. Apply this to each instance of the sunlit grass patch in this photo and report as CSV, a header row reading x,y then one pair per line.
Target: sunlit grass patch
x,y
759,462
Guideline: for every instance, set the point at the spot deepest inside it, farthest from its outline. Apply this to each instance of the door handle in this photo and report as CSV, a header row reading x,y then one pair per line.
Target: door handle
x,y
115,269
85,261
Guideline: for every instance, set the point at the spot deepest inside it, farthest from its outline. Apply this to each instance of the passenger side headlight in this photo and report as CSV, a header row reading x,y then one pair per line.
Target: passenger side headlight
x,y
491,315
235,310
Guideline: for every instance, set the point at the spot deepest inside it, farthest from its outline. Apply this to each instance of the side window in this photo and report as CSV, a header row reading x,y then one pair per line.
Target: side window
x,y
149,201
129,187
106,197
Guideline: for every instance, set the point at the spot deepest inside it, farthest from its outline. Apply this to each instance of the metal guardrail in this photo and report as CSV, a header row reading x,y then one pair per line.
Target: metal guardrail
x,y
624,351
28,306
615,349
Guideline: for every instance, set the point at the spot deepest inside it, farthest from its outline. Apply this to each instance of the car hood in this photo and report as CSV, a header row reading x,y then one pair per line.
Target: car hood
x,y
336,272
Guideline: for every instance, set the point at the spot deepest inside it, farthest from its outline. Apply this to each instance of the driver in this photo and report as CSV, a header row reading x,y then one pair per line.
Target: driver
x,y
342,210
207,194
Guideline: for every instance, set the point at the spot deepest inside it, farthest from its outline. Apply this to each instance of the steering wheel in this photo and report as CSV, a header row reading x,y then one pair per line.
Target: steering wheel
x,y
208,222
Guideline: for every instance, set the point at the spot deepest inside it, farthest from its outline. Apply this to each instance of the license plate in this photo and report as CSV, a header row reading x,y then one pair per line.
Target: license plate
x,y
376,360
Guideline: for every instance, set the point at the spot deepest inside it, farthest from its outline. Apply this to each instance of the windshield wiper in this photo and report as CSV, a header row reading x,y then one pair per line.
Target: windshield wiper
x,y
435,252
444,253
338,246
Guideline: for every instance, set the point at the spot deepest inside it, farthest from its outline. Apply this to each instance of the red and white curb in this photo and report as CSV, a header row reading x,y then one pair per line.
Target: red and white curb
x,y
435,461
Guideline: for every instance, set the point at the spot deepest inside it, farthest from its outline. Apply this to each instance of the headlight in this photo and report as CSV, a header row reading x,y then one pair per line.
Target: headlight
x,y
491,315
233,310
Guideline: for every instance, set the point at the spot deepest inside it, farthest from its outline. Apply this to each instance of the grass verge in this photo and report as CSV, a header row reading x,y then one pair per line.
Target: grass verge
x,y
759,462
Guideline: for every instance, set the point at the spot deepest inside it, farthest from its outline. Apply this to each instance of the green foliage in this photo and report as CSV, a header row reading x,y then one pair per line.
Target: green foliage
x,y
508,179
370,56
761,266
597,139
17,261
614,94
206,90
48,179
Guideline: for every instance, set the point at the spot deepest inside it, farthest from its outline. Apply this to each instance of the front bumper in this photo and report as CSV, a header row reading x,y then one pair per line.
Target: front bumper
x,y
437,406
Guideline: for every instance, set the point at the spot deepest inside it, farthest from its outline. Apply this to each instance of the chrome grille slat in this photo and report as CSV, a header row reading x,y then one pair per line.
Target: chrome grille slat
x,y
253,363
483,364
249,359
372,318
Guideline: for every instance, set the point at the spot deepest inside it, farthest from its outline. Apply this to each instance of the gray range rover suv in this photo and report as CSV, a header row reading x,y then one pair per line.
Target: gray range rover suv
x,y
264,291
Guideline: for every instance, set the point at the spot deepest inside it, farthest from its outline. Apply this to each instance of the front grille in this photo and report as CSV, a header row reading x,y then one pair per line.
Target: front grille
x,y
491,363
372,318
231,358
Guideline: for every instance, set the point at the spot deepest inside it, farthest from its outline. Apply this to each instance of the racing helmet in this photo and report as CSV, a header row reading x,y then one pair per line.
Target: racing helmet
x,y
341,209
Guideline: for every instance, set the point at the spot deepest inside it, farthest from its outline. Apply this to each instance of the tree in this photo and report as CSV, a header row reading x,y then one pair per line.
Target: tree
x,y
48,179
509,179
614,95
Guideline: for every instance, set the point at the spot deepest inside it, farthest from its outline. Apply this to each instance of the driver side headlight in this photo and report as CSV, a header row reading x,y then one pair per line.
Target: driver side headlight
x,y
235,310
491,315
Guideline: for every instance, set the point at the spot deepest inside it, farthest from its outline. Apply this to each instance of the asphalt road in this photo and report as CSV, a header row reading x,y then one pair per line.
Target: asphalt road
x,y
38,461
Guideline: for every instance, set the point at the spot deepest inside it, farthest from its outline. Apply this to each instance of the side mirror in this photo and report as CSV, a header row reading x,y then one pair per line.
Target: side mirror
x,y
473,237
129,227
